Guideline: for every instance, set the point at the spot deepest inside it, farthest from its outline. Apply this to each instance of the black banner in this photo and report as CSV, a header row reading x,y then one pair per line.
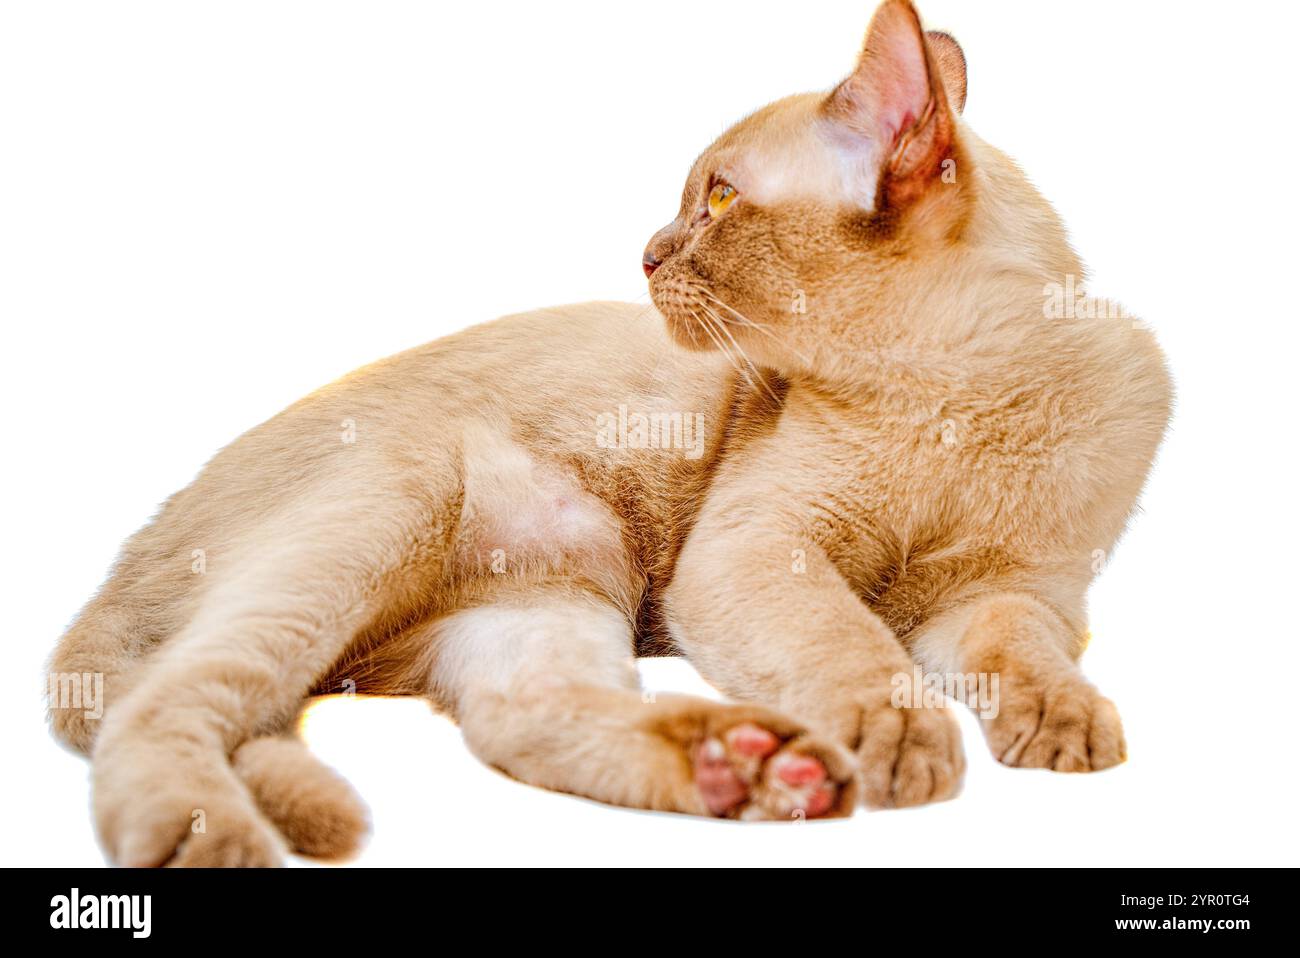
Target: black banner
x,y
953,907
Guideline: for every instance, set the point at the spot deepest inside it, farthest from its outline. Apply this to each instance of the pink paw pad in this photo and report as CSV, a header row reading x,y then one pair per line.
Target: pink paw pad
x,y
752,740
820,801
719,785
744,773
800,770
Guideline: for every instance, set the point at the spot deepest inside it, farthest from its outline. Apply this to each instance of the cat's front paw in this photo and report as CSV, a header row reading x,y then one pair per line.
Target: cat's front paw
x,y
157,806
1062,723
909,756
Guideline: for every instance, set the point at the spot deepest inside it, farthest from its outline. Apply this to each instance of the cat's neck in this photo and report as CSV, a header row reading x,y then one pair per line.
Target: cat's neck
x,y
953,326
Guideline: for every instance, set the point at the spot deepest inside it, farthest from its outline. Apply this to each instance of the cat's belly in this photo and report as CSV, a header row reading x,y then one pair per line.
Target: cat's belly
x,y
527,519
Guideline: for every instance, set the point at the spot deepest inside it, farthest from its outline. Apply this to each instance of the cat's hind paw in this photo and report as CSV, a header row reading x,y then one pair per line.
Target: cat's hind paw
x,y
314,807
748,772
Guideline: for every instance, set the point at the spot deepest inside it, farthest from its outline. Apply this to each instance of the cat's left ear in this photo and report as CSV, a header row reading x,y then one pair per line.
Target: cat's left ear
x,y
895,105
951,61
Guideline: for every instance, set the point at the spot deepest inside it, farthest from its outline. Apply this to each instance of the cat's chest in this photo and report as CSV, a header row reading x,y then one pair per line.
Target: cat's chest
x,y
874,466
907,502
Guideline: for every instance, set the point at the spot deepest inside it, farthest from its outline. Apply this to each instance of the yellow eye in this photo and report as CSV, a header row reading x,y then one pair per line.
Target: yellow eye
x,y
720,197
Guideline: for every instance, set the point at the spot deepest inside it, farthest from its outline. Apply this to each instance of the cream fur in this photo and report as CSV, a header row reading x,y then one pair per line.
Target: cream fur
x,y
921,467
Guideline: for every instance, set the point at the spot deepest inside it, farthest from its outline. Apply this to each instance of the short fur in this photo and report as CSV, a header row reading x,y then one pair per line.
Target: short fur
x,y
917,466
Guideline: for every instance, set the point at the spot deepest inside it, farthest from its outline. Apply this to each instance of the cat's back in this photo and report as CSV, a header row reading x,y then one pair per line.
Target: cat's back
x,y
536,379
558,349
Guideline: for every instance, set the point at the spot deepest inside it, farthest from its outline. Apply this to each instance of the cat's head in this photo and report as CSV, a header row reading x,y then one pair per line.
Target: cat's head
x,y
806,216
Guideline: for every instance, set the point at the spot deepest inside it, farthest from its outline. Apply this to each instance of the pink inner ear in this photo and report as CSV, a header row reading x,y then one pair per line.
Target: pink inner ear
x,y
890,89
901,81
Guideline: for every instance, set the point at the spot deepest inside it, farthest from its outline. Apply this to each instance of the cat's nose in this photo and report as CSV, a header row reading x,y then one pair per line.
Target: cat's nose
x,y
662,245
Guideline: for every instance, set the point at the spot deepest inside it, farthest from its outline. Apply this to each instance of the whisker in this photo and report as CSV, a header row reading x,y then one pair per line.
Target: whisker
x,y
748,323
760,327
735,312
708,329
745,356
707,325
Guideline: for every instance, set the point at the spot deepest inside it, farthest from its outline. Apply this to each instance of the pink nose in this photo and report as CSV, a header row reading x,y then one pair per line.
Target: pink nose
x,y
649,263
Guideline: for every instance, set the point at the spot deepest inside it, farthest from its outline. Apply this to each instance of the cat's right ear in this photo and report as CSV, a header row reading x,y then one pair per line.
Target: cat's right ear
x,y
893,110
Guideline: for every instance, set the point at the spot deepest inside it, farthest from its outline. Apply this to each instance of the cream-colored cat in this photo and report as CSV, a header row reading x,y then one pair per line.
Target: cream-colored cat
x,y
918,467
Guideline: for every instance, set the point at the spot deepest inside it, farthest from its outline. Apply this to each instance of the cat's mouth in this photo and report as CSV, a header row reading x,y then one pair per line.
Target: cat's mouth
x,y
697,318
692,321
675,291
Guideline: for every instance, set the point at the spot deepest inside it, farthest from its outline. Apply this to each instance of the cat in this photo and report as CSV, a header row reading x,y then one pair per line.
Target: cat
x,y
847,440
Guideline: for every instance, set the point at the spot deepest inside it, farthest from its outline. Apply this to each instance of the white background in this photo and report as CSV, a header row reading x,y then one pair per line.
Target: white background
x,y
206,211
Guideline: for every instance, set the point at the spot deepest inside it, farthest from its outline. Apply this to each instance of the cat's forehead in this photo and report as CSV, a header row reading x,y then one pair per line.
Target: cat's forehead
x,y
788,152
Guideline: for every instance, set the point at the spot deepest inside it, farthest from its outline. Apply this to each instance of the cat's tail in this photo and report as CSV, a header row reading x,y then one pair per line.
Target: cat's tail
x,y
314,807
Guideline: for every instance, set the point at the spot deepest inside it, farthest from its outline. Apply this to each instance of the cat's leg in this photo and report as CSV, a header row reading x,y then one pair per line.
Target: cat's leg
x,y
314,808
765,616
545,688
96,661
106,653
165,789
1044,714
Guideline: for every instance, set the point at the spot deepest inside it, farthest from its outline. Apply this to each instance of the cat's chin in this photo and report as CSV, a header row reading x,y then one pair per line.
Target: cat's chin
x,y
689,334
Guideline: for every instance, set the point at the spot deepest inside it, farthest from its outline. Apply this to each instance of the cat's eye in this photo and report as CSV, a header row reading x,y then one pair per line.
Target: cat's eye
x,y
720,197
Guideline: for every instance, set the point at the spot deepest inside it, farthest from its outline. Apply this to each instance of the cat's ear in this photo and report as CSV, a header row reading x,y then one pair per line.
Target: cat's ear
x,y
894,106
952,66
